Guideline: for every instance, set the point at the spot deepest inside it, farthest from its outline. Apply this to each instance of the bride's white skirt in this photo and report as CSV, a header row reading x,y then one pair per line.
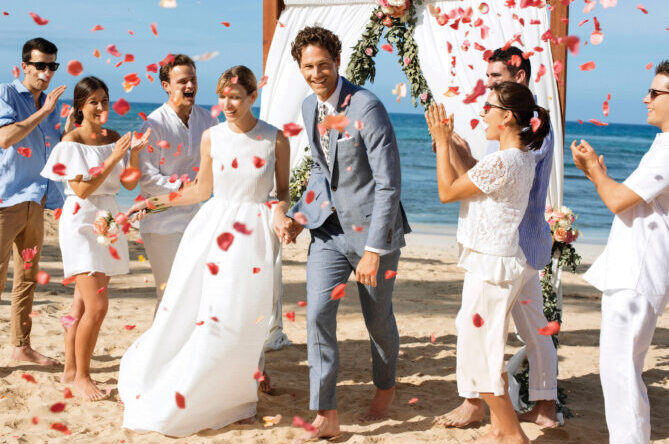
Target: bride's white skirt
x,y
207,338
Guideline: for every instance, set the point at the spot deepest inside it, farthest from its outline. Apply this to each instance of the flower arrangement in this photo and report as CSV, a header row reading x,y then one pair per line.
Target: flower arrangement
x,y
300,178
561,220
395,8
107,227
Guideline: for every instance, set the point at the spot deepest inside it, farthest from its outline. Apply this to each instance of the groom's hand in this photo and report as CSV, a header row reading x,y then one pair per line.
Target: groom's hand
x,y
367,268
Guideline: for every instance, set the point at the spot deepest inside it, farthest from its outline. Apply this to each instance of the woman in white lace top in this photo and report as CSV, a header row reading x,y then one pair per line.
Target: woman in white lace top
x,y
493,194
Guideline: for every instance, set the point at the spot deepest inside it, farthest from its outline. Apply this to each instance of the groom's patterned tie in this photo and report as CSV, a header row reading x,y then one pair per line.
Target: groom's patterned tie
x,y
325,138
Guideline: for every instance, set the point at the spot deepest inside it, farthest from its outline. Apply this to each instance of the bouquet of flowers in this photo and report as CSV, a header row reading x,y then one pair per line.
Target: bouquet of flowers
x,y
107,227
395,8
561,220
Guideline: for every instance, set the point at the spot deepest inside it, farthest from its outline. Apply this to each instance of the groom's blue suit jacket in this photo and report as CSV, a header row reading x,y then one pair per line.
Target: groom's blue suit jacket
x,y
363,181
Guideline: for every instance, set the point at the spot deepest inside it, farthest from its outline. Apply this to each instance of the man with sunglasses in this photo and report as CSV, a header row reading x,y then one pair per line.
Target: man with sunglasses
x,y
633,270
536,242
29,125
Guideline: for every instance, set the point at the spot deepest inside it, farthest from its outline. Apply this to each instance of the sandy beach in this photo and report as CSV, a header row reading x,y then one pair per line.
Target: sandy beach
x,y
426,300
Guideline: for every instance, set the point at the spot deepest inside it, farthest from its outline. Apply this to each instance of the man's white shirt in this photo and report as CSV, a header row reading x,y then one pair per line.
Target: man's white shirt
x,y
160,166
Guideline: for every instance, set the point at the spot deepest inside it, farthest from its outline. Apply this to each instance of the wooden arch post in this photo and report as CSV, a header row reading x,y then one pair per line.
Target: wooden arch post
x,y
271,10
560,28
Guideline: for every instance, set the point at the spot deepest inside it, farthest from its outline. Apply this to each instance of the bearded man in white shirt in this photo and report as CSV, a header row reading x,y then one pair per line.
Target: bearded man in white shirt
x,y
633,270
171,160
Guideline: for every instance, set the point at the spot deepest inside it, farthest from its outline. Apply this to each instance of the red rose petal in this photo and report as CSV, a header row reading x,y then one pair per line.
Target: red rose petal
x,y
25,151
97,28
535,122
39,20
387,47
180,400
477,320
234,164
241,228
67,393
479,90
59,169
57,407
154,29
299,422
474,123
256,270
338,292
597,122
550,329
15,72
390,274
412,401
28,377
213,268
35,420
74,67
130,174
69,280
121,107
291,129
525,301
225,240
199,323
588,66
111,49
129,327
77,207
302,303
433,338
114,253
258,162
290,316
641,8
300,218
61,428
226,24
43,277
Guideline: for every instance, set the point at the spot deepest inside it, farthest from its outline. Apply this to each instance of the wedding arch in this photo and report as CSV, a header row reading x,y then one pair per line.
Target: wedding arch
x,y
441,46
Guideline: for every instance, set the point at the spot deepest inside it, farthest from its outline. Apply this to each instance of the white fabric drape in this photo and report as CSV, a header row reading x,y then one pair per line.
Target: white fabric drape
x,y
282,97
435,62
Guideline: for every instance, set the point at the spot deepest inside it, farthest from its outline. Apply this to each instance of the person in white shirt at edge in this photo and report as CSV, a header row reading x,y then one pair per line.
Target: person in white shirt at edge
x,y
536,243
494,195
632,272
172,158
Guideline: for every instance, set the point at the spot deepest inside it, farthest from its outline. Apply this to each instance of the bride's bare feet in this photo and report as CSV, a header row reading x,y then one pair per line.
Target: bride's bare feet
x,y
543,414
325,426
87,389
469,412
68,376
26,353
380,405
265,384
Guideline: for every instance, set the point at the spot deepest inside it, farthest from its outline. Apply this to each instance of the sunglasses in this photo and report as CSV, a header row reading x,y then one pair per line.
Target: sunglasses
x,y
487,106
41,66
653,93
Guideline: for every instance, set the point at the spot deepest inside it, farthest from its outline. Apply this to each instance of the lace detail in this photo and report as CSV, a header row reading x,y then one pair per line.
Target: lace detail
x,y
488,223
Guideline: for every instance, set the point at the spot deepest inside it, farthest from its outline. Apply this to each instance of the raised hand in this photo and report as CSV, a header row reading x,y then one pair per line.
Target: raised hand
x,y
138,144
440,126
122,145
52,99
137,211
586,159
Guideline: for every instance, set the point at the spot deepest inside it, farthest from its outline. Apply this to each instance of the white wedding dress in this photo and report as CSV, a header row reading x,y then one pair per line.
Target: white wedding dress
x,y
194,368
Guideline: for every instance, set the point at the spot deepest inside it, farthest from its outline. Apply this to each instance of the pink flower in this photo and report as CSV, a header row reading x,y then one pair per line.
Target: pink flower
x,y
369,52
100,226
121,219
29,254
572,218
560,235
558,215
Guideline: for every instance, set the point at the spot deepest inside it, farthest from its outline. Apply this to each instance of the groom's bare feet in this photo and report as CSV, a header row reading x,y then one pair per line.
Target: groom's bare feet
x,y
265,384
325,426
469,412
380,405
543,414
26,353
68,376
87,389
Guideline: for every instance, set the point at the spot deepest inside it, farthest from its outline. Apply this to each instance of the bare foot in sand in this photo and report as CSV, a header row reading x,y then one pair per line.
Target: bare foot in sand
x,y
542,414
26,353
380,405
493,437
68,376
265,384
325,426
87,389
469,412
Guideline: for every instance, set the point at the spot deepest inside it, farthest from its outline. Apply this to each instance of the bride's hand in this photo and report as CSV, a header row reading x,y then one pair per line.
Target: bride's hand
x,y
440,126
137,211
282,225
138,144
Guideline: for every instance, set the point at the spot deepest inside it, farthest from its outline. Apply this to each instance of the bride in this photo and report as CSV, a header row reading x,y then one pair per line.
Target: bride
x,y
198,365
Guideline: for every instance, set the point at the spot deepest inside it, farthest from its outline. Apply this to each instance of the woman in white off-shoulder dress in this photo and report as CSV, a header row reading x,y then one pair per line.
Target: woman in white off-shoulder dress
x,y
494,195
198,365
90,160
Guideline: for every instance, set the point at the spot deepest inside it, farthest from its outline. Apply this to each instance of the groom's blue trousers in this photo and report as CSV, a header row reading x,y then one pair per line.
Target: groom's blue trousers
x,y
330,262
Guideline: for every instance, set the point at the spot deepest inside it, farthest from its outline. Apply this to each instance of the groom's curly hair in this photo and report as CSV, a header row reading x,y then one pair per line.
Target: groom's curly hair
x,y
318,36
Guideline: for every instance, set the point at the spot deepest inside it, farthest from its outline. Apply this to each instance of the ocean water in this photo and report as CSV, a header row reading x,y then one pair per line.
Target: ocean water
x,y
622,146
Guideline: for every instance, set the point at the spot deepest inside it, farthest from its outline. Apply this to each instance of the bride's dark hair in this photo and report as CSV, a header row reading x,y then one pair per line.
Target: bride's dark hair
x,y
84,88
519,100
239,75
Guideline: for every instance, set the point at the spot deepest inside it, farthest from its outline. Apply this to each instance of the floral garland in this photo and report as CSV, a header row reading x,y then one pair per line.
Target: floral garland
x,y
561,221
399,16
299,178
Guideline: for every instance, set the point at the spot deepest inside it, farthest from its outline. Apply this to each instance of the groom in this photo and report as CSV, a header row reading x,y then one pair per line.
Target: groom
x,y
352,208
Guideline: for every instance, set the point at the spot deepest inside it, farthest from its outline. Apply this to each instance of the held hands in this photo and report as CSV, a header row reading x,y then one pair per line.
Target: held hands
x,y
586,159
284,229
137,211
440,126
367,268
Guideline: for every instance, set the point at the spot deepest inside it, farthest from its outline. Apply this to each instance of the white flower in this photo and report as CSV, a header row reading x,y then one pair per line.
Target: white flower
x,y
396,3
113,228
102,240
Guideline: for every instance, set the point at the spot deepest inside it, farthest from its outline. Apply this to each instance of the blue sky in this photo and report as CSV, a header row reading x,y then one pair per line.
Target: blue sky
x,y
631,41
